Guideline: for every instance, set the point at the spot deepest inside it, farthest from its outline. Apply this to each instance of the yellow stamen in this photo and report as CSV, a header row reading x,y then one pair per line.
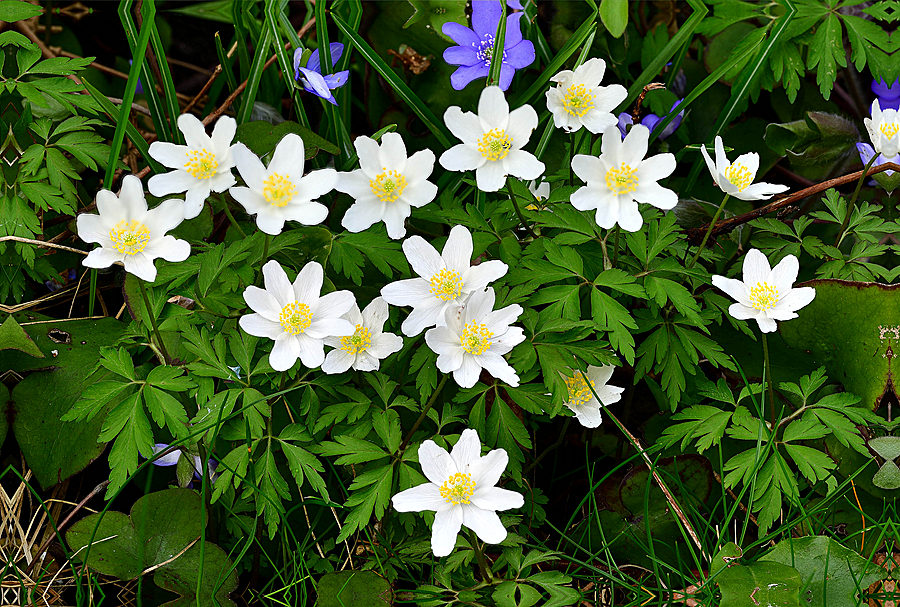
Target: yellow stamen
x,y
579,391
578,101
388,186
446,284
763,296
129,237
295,318
278,190
458,489
476,339
889,129
495,144
739,175
622,180
359,341
201,164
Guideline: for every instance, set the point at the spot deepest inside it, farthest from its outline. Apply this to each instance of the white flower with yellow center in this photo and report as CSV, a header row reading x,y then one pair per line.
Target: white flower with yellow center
x,y
295,315
621,177
476,339
369,343
445,279
765,294
202,166
280,192
541,192
386,185
736,178
129,233
578,100
884,130
581,399
492,141
461,490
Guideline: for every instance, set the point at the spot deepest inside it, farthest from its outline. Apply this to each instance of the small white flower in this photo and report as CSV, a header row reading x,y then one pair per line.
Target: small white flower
x,y
446,279
621,177
736,178
280,192
367,346
540,192
202,166
295,316
492,141
578,100
476,339
582,401
130,234
765,294
461,491
884,130
386,185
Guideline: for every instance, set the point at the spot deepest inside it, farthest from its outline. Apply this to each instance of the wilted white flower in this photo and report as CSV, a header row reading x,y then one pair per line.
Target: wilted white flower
x,y
492,141
295,315
736,178
884,130
621,177
581,399
578,100
202,166
765,294
369,343
130,234
461,491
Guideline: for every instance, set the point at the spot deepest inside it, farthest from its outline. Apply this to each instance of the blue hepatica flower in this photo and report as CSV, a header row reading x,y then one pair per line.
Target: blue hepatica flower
x,y
311,77
888,94
652,120
476,46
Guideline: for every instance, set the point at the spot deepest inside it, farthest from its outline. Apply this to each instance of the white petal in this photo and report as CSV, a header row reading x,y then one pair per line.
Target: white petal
x,y
756,268
419,166
462,157
393,152
760,191
465,126
223,135
766,325
426,496
312,351
491,176
476,278
254,324
446,527
131,198
588,168
329,327
497,366
252,201
338,361
436,463
496,498
457,252
270,222
493,110
597,121
285,352
409,292
522,121
467,375
277,283
194,132
742,312
168,154
785,273
485,523
169,248
634,147
732,287
249,166
363,215
427,314
385,344
262,302
523,165
424,258
710,164
721,160
656,195
288,157
141,266
101,258
367,151
466,450
798,298
164,217
92,228
375,314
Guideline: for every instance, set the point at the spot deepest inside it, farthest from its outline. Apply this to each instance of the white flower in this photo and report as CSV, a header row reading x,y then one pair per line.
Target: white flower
x,y
367,346
295,316
578,100
386,185
130,234
765,294
492,141
540,192
582,401
884,130
202,166
736,179
446,279
280,192
461,491
621,177
476,339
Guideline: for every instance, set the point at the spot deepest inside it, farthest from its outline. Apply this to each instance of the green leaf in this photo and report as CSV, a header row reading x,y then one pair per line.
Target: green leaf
x,y
14,337
826,52
357,588
614,14
770,584
18,10
262,137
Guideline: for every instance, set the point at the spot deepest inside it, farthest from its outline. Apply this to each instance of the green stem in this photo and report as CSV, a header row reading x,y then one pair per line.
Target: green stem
x,y
852,203
428,405
231,218
482,562
712,224
152,317
265,254
515,202
767,375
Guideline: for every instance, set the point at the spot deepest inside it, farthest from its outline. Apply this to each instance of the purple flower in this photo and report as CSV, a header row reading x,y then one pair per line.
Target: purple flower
x,y
476,46
652,120
171,459
888,95
311,77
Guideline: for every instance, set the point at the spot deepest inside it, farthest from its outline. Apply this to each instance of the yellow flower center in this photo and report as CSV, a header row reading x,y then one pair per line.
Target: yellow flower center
x,y
764,296
579,390
129,237
622,180
476,339
739,175
578,101
201,164
495,144
278,190
295,318
889,129
446,284
458,489
359,341
388,186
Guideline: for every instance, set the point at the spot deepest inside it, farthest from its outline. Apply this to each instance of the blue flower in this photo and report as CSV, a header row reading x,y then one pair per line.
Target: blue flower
x,y
311,78
652,120
888,95
476,46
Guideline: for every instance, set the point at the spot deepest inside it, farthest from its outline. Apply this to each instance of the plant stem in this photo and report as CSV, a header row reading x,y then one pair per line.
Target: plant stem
x,y
231,218
515,202
767,374
265,254
712,224
852,203
482,562
152,317
428,405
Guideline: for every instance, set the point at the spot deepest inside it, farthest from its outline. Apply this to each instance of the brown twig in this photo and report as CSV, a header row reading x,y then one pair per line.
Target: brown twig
x,y
23,27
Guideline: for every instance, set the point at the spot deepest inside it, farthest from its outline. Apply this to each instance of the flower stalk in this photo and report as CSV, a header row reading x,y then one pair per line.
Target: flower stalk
x,y
712,225
153,324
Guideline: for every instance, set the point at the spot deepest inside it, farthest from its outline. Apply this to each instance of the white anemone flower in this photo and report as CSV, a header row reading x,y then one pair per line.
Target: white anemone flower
x,y
280,192
476,339
541,192
445,280
202,166
578,100
884,130
765,294
369,343
295,315
621,177
129,233
492,141
736,178
387,184
581,399
461,490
